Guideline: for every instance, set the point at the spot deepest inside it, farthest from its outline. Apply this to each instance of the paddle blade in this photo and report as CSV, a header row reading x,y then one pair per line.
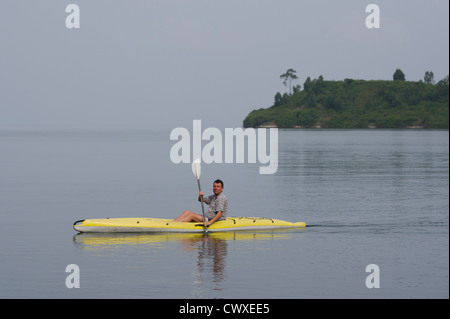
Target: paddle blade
x,y
196,168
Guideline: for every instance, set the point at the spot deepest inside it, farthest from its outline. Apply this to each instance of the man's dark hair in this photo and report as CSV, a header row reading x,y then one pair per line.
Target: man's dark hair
x,y
218,181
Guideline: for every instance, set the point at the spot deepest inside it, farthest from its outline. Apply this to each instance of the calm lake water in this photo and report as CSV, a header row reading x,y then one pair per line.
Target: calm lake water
x,y
368,196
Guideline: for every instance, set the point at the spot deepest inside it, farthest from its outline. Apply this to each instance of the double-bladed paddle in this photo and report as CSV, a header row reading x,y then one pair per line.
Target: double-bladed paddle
x,y
196,169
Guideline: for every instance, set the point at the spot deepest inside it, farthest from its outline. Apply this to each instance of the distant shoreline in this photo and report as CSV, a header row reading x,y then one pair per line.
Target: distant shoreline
x,y
361,128
358,104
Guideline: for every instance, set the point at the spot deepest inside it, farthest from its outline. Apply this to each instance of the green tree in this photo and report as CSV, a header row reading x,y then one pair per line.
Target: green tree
x,y
320,81
289,76
278,98
399,75
442,87
429,77
308,84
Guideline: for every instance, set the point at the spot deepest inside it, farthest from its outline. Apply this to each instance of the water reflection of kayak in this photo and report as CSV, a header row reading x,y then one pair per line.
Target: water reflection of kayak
x,y
101,240
145,225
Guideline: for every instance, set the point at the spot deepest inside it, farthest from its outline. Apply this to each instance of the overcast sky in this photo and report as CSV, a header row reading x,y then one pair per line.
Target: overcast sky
x,y
143,64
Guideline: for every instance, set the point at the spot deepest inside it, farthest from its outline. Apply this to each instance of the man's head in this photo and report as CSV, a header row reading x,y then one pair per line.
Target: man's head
x,y
217,187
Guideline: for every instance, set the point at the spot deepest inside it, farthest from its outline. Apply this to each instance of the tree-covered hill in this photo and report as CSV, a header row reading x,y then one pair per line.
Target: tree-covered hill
x,y
358,104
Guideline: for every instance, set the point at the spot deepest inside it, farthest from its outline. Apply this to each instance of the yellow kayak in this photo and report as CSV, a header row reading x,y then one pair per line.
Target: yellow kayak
x,y
126,225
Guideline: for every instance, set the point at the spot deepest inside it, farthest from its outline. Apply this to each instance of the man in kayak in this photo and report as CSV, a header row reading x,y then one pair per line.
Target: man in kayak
x,y
217,210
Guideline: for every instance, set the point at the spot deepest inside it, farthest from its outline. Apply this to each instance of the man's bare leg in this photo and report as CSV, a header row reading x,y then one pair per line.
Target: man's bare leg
x,y
189,216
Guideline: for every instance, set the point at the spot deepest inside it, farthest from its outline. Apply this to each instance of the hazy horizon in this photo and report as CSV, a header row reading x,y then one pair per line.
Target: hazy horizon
x,y
161,64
